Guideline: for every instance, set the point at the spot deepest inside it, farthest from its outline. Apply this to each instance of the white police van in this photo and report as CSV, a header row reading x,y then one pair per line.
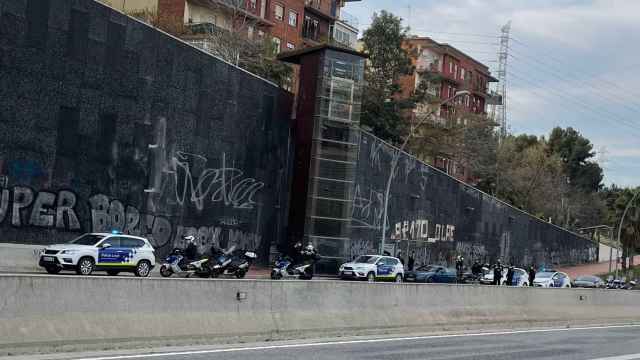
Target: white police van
x,y
110,252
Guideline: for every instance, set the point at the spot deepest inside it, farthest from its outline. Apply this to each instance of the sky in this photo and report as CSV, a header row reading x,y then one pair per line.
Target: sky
x,y
571,63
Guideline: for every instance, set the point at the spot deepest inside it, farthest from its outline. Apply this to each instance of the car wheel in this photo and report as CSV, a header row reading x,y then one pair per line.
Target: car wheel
x,y
398,278
53,269
113,272
143,269
165,271
371,277
85,266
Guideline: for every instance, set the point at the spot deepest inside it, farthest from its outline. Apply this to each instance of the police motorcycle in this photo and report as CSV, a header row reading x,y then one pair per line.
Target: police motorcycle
x,y
302,269
232,262
181,262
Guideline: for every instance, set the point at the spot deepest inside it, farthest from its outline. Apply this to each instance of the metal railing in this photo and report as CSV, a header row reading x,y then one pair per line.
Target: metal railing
x,y
316,4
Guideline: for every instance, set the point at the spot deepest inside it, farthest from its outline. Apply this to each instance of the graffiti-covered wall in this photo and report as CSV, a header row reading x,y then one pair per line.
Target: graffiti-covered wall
x,y
439,218
107,124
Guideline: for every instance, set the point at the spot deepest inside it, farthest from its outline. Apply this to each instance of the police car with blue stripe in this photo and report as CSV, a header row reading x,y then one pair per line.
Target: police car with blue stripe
x,y
373,268
110,252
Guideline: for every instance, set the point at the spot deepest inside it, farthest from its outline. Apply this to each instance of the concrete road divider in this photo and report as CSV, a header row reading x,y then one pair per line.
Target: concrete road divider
x,y
43,312
19,257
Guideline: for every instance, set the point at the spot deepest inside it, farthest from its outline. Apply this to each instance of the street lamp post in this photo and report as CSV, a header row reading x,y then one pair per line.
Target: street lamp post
x,y
620,226
610,228
396,158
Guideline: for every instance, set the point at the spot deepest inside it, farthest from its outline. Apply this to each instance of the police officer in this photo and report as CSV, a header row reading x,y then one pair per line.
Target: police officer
x,y
459,266
532,275
510,274
497,273
191,252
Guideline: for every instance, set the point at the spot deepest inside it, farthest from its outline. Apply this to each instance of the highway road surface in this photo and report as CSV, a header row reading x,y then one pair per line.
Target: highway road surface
x,y
587,343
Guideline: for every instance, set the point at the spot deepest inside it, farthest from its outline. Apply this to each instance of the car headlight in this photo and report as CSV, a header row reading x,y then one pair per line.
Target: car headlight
x,y
68,252
341,268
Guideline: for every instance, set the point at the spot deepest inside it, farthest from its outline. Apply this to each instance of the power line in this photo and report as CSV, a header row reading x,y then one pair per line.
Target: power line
x,y
454,41
586,105
458,33
585,108
544,68
556,59
482,35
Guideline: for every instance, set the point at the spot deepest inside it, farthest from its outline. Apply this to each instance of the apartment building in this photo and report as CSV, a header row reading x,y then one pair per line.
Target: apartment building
x,y
447,70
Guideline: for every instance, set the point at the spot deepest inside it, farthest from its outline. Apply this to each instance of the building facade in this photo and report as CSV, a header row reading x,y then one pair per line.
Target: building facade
x,y
288,24
344,31
445,70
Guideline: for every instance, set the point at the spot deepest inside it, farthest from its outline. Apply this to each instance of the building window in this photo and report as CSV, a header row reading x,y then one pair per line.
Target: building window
x,y
252,4
293,18
451,67
290,46
279,12
260,34
310,28
455,71
341,98
342,37
462,73
276,44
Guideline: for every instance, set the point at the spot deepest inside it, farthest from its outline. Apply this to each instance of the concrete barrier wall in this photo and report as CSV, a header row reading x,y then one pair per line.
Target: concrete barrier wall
x,y
19,258
37,310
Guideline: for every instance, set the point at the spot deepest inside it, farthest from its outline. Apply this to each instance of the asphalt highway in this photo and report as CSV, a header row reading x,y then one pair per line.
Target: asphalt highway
x,y
594,343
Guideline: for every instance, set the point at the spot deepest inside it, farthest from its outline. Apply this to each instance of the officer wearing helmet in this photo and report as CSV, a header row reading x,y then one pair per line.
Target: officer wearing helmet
x,y
191,251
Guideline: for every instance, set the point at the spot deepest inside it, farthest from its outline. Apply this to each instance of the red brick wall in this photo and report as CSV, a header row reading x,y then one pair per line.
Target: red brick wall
x,y
281,28
171,15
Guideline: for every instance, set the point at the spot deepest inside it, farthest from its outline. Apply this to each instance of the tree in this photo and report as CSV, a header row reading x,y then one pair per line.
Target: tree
x,y
576,153
630,234
381,111
530,179
233,42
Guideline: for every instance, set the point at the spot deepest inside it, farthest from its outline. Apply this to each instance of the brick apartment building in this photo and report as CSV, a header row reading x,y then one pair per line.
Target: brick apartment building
x,y
448,70
289,24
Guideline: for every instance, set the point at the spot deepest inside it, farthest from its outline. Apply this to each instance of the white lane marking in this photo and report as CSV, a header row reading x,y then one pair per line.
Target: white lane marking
x,y
365,341
621,357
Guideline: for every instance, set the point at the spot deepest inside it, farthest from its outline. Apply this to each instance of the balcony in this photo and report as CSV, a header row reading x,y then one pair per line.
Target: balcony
x,y
242,8
316,4
475,87
493,98
311,29
320,8
203,28
343,38
424,65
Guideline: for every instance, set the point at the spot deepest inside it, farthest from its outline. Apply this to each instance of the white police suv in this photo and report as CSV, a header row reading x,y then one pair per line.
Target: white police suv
x,y
372,268
110,252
